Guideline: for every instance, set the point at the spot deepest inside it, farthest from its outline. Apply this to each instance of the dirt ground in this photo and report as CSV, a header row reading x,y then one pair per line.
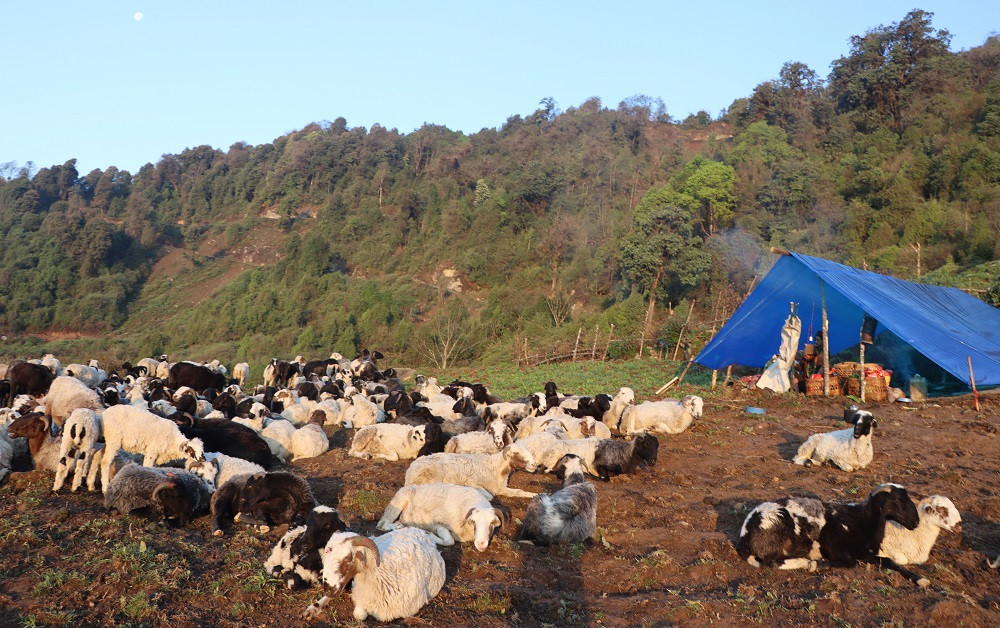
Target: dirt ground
x,y
664,555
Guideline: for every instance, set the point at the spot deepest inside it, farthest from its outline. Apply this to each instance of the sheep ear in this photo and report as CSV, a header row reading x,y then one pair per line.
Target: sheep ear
x,y
928,509
468,516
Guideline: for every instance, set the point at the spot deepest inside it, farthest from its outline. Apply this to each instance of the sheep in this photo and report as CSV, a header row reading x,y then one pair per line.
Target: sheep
x,y
162,494
391,441
394,575
462,425
575,428
137,430
217,468
661,417
514,412
278,436
78,448
227,437
27,378
567,516
52,363
622,400
447,512
269,373
849,449
498,435
6,453
586,406
262,500
91,375
44,447
914,547
487,471
310,440
65,395
298,556
150,364
614,457
361,412
795,532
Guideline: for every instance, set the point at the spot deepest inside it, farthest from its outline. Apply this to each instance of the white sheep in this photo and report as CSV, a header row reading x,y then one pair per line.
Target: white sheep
x,y
68,394
258,419
849,449
310,440
241,373
668,416
140,431
361,412
389,441
448,512
163,369
269,379
486,471
514,412
622,399
150,364
498,435
78,448
914,546
52,363
217,469
428,387
89,375
394,575
278,436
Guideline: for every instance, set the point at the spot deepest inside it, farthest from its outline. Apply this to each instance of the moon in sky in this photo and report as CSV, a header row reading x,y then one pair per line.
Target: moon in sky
x,y
137,17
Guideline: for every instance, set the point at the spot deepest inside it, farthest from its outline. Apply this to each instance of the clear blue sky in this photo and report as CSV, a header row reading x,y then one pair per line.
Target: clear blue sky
x,y
85,79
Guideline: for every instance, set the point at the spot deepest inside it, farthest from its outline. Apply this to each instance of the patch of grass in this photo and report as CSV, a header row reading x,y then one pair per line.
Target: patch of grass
x,y
569,613
694,606
487,603
137,607
747,430
573,550
365,501
53,579
30,620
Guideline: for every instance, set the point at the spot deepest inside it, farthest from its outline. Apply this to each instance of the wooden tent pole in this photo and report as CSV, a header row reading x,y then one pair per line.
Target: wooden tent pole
x,y
972,380
826,341
862,354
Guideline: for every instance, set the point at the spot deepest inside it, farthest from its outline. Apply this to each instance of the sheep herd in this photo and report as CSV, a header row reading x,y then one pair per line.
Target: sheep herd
x,y
176,441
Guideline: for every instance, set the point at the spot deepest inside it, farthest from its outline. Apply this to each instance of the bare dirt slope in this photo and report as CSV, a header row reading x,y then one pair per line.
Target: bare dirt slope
x,y
665,554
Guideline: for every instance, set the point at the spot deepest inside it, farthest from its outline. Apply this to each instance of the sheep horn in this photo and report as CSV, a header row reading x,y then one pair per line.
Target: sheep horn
x,y
165,485
368,544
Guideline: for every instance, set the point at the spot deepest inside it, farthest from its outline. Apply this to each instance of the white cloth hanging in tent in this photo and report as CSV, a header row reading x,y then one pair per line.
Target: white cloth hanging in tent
x,y
776,373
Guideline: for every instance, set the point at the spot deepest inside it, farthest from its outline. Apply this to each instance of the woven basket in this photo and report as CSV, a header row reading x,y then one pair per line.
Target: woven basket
x,y
875,388
846,369
814,387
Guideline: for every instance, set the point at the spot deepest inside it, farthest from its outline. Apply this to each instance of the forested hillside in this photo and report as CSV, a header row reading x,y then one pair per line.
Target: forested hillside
x,y
441,246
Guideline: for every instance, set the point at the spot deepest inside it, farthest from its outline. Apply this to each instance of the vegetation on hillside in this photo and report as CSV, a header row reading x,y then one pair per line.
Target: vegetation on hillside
x,y
552,222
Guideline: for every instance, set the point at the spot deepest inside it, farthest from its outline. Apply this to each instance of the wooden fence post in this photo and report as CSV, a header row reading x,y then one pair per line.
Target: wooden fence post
x,y
607,349
577,345
593,350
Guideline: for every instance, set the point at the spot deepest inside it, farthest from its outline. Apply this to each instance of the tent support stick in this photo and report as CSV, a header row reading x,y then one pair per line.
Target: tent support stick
x,y
862,351
729,373
826,341
715,378
972,380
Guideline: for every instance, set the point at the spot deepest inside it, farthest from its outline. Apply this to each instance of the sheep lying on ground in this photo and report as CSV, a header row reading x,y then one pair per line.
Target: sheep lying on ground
x,y
849,449
297,558
394,575
489,472
498,435
391,441
614,457
66,395
6,452
567,516
448,512
795,532
139,431
90,375
914,546
78,448
217,469
622,400
310,440
262,500
161,494
661,417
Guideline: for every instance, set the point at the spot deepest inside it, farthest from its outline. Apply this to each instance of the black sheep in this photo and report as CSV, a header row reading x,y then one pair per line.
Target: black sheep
x,y
794,532
306,550
225,437
28,378
263,500
614,457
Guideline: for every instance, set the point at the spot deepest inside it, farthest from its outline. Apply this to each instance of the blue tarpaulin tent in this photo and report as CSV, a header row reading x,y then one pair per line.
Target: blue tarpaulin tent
x,y
946,325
